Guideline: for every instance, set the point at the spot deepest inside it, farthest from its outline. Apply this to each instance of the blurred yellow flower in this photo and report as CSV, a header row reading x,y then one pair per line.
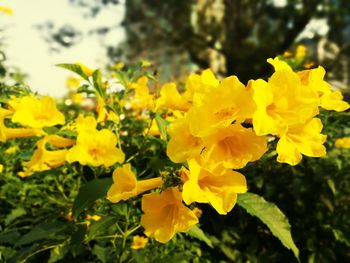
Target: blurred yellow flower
x,y
139,242
96,148
1,168
218,187
84,123
6,10
165,214
343,143
125,184
11,150
36,113
300,51
88,71
301,139
170,98
142,99
72,83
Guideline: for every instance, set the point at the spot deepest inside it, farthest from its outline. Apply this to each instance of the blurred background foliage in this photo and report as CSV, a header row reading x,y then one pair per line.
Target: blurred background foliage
x,y
231,37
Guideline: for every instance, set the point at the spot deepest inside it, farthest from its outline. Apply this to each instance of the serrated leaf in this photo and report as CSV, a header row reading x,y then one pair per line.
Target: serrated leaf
x,y
74,68
162,126
42,231
271,216
198,233
89,193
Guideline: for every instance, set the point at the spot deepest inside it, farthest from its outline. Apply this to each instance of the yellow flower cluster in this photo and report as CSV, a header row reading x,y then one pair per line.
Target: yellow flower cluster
x,y
220,127
91,147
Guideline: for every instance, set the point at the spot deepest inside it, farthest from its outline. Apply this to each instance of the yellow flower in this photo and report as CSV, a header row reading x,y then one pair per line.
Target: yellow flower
x,y
139,242
72,83
328,99
101,110
300,51
281,102
198,85
37,113
10,133
76,98
43,159
85,123
182,144
11,150
229,101
165,214
301,139
142,99
1,168
218,187
233,147
88,71
125,184
93,217
96,148
170,98
6,10
279,64
343,143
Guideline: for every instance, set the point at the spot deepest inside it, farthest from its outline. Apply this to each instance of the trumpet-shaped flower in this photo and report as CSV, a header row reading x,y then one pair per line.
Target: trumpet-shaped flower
x,y
96,148
182,144
10,133
198,85
170,98
43,159
125,184
343,143
228,102
301,139
165,214
36,113
281,102
218,187
233,147
328,99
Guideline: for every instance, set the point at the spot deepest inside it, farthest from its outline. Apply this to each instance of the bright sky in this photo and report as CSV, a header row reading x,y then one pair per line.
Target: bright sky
x,y
26,48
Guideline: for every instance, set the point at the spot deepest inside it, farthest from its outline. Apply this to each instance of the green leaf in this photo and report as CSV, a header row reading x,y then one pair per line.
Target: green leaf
x,y
198,233
101,253
271,216
9,237
42,231
15,213
98,84
162,125
74,68
58,253
77,239
89,193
